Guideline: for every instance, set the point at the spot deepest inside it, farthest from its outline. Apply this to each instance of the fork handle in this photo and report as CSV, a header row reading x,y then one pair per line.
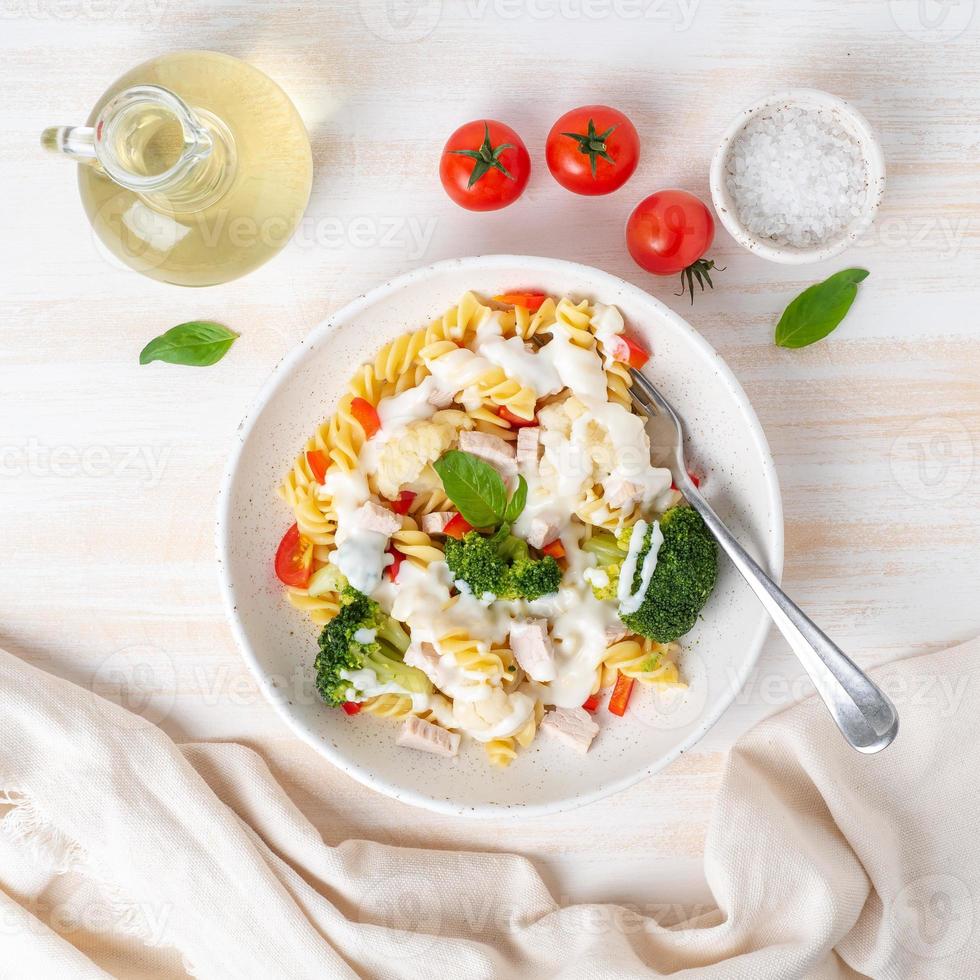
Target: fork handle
x,y
864,714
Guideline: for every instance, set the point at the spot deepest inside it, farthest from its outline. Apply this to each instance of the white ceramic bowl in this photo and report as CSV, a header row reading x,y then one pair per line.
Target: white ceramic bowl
x,y
874,160
279,644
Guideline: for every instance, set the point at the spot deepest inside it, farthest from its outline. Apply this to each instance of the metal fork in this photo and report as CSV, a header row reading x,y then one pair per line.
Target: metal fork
x,y
865,716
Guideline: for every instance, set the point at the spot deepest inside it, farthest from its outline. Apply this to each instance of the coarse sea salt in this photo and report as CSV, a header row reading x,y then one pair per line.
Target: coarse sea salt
x,y
796,175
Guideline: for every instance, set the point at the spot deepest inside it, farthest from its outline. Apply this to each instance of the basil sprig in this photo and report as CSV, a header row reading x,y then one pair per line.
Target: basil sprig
x,y
818,310
478,490
199,343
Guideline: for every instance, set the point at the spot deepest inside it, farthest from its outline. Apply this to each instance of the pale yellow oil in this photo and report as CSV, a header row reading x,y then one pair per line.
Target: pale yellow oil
x,y
268,185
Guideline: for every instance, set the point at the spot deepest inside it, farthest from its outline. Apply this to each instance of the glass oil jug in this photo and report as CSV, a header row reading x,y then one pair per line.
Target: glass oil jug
x,y
195,167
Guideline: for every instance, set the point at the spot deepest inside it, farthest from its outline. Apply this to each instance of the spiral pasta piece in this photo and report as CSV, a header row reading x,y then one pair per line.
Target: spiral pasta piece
x,y
642,659
496,388
594,510
417,546
314,517
619,381
527,325
301,478
473,656
430,502
393,706
346,436
321,609
576,318
501,752
486,419
525,736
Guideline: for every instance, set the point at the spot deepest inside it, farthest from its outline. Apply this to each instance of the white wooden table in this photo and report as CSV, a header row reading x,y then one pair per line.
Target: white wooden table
x,y
108,471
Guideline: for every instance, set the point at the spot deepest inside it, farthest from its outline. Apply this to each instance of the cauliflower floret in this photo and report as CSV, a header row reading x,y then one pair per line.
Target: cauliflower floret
x,y
405,456
559,416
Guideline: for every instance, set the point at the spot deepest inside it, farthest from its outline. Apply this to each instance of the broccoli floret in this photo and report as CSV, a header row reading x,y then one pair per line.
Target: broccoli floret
x,y
604,545
501,565
532,578
623,536
342,651
610,555
474,559
687,565
607,591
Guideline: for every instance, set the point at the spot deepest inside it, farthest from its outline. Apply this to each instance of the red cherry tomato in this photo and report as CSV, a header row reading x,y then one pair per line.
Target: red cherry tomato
x,y
294,559
530,301
668,233
485,166
554,548
515,420
621,695
367,415
457,527
318,462
351,707
592,150
404,501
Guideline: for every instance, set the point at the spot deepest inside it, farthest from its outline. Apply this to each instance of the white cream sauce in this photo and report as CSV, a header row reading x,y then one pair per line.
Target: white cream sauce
x,y
360,554
629,600
498,716
573,455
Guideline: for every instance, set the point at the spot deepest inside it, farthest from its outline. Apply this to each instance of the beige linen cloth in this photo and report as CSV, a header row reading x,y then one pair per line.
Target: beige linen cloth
x,y
122,853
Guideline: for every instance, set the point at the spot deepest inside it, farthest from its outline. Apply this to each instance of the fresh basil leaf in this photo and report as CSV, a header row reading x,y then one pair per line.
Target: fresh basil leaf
x,y
819,309
199,343
517,502
475,487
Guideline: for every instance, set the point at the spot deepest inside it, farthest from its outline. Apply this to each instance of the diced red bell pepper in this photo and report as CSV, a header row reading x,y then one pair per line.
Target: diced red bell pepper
x,y
396,563
530,301
554,548
367,415
351,707
403,503
318,461
515,420
621,694
591,702
457,527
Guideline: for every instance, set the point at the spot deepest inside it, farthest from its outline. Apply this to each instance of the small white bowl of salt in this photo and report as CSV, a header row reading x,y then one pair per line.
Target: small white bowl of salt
x,y
798,177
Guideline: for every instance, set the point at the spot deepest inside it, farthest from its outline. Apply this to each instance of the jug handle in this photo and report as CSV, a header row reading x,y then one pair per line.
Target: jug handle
x,y
77,142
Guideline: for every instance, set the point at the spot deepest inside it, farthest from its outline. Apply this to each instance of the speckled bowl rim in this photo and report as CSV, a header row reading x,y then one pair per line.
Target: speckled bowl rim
x,y
786,254
772,545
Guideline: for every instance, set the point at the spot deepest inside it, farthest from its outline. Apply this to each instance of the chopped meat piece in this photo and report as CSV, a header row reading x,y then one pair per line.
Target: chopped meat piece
x,y
528,443
424,656
573,726
374,517
621,493
615,633
436,523
532,647
440,399
542,532
491,449
417,733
